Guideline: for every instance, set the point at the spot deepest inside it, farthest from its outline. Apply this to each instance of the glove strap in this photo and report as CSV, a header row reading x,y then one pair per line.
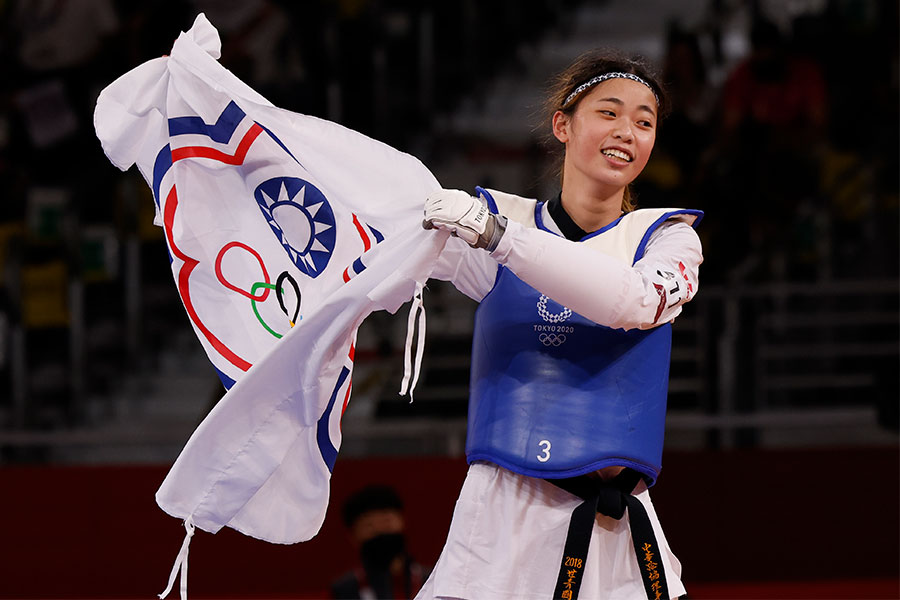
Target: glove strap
x,y
490,239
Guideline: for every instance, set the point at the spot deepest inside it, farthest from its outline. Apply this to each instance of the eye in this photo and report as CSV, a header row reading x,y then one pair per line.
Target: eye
x,y
606,112
645,123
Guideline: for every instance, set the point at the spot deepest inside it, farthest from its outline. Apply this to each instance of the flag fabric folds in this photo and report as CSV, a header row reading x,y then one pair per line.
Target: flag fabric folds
x,y
284,232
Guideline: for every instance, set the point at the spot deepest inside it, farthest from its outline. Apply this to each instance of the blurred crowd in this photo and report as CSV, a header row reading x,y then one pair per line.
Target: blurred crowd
x,y
793,154
87,293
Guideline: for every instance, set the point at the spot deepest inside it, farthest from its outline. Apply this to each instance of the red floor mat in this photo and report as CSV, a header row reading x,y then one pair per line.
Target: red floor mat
x,y
842,589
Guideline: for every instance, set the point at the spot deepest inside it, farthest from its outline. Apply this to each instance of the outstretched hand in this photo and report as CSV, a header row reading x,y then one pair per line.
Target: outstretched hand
x,y
465,217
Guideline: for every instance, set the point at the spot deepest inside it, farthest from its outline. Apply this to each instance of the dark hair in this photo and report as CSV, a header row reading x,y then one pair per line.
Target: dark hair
x,y
584,68
764,34
373,497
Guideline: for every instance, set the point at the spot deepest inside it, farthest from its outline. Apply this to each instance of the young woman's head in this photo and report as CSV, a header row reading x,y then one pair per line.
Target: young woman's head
x,y
605,109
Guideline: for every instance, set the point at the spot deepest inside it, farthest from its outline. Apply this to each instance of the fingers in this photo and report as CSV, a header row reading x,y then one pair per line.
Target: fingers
x,y
451,204
457,212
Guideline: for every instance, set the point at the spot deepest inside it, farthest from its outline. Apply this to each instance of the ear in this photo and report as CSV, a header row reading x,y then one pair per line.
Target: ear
x,y
561,123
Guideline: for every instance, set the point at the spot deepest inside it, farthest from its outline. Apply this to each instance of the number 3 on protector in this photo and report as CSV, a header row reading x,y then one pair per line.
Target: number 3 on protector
x,y
544,456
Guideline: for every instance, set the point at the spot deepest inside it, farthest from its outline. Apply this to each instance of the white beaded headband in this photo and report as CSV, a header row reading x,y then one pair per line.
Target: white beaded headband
x,y
599,78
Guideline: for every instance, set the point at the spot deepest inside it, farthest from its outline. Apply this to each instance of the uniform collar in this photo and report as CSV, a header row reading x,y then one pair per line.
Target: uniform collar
x,y
568,227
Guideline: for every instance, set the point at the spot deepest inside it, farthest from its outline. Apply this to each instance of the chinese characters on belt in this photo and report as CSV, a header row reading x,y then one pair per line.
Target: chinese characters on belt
x,y
576,565
651,569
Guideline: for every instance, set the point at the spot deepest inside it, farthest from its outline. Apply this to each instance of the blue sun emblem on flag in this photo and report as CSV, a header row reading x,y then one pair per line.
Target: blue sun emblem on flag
x,y
301,219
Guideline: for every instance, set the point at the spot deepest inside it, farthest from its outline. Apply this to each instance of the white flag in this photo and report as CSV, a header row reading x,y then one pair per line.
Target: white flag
x,y
284,231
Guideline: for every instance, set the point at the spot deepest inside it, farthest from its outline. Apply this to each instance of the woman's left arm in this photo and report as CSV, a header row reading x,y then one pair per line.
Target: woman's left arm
x,y
602,288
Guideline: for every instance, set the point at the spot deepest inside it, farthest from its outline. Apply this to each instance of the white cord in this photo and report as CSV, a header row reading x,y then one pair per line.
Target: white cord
x,y
411,370
181,563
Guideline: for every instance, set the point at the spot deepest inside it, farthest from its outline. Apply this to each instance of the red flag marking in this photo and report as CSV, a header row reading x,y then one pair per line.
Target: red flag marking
x,y
184,289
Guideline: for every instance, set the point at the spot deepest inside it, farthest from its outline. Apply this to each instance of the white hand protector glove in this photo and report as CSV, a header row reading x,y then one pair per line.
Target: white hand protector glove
x,y
465,217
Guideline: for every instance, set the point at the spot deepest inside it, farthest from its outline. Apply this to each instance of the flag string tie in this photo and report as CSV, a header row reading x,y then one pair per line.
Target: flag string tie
x,y
412,367
181,563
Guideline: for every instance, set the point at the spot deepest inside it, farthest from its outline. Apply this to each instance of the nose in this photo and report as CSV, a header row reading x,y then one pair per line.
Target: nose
x,y
623,130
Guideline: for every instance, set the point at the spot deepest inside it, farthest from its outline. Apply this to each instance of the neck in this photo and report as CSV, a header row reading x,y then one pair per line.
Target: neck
x,y
592,210
591,205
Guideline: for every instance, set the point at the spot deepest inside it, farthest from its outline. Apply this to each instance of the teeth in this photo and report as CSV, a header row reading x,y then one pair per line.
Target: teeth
x,y
617,154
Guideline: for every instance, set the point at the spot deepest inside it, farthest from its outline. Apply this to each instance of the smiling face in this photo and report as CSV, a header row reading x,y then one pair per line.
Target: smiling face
x,y
608,137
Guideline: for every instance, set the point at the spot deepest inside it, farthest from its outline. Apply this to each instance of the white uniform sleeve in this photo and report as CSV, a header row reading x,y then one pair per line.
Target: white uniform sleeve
x,y
471,271
602,288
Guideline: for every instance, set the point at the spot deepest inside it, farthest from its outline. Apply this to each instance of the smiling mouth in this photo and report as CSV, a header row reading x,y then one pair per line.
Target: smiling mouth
x,y
613,153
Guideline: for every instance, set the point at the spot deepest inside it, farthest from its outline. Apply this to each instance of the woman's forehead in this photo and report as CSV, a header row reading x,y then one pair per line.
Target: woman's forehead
x,y
626,91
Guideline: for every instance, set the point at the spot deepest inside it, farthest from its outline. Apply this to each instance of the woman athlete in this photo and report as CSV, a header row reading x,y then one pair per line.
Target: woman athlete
x,y
570,358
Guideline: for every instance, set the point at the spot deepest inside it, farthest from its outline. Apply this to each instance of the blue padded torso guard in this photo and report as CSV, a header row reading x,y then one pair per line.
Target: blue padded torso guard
x,y
553,394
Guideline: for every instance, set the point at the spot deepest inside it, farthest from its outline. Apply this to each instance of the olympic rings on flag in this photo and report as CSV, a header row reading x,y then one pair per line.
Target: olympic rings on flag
x,y
254,295
253,301
279,293
231,286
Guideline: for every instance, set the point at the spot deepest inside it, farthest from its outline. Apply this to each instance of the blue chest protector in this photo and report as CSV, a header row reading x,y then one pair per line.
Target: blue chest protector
x,y
553,394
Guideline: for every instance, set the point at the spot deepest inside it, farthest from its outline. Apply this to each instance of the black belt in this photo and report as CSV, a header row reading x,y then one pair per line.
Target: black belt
x,y
610,498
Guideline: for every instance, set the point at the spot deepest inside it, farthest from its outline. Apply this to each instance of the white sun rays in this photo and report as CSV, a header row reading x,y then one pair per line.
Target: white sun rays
x,y
299,228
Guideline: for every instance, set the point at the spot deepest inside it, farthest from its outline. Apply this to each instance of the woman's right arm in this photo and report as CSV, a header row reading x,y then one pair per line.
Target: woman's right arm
x,y
603,288
471,272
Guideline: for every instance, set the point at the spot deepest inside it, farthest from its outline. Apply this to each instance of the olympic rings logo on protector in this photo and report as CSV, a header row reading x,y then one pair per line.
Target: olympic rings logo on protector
x,y
552,339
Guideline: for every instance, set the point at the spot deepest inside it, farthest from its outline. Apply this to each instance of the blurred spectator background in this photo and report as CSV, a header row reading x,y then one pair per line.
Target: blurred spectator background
x,y
374,519
784,130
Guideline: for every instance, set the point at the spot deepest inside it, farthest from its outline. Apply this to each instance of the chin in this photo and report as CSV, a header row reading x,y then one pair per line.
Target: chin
x,y
618,180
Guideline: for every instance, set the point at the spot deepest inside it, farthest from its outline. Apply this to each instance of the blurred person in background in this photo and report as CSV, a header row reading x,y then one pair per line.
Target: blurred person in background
x,y
570,357
774,92
771,137
374,516
669,178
